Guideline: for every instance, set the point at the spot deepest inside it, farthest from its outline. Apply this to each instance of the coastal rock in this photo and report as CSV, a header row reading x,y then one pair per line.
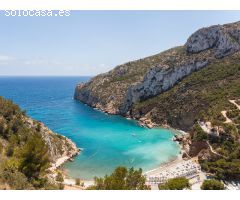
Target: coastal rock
x,y
223,39
59,146
178,138
197,147
122,89
158,80
146,122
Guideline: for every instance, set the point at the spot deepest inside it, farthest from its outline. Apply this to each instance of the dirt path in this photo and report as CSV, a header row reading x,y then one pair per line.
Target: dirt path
x,y
214,152
224,113
234,102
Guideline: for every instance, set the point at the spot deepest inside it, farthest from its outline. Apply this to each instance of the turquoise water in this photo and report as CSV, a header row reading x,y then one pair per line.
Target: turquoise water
x,y
108,141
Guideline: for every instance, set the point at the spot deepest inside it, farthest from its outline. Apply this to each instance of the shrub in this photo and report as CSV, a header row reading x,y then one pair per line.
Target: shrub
x,y
34,158
1,148
212,185
175,184
59,177
9,150
199,134
121,179
16,180
25,157
223,169
77,181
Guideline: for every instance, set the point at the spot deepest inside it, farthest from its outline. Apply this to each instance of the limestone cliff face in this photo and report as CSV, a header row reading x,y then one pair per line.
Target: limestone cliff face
x,y
58,146
158,80
224,40
117,91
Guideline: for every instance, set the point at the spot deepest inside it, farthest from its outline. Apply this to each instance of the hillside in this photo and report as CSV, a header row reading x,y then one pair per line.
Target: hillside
x,y
195,88
201,95
29,151
123,89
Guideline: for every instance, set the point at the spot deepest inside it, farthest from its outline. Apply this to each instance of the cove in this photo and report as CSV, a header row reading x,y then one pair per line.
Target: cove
x,y
108,141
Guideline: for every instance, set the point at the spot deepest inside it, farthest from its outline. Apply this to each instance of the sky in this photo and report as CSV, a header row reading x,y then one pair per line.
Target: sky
x,y
87,43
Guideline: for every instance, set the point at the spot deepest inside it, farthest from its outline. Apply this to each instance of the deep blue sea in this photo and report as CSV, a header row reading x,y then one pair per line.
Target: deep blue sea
x,y
108,141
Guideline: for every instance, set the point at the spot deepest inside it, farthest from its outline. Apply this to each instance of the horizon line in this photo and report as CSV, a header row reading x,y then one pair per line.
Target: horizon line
x,y
47,75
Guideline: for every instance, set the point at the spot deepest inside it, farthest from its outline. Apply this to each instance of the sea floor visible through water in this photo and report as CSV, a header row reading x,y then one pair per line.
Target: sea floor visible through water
x,y
108,141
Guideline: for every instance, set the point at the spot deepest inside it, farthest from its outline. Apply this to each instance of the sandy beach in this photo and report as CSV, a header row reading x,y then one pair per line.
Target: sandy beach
x,y
179,167
176,168
70,184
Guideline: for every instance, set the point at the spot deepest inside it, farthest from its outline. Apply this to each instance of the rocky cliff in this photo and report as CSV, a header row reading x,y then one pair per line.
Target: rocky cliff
x,y
120,90
59,146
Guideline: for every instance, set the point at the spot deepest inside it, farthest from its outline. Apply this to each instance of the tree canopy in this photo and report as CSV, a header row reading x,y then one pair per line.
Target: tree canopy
x,y
121,179
212,185
24,155
175,184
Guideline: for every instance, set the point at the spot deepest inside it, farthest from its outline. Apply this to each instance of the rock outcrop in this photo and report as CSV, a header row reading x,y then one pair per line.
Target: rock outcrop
x,y
225,40
158,80
117,91
58,146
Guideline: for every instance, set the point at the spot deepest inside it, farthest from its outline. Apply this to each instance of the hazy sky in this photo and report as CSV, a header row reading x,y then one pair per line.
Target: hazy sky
x,y
91,42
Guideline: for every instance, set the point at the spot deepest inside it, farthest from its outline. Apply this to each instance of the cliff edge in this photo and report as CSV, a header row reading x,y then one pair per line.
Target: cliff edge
x,y
120,90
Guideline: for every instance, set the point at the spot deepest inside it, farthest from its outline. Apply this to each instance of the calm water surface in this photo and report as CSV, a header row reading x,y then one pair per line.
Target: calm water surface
x,y
108,141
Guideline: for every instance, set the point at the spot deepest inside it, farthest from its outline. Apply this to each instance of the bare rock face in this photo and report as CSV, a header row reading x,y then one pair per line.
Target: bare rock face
x,y
58,145
224,40
118,90
84,95
158,80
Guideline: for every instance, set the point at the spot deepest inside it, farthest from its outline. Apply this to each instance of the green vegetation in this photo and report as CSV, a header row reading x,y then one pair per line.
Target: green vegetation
x,y
112,86
78,181
175,184
234,115
227,145
201,95
33,157
212,185
121,179
24,156
59,177
199,134
223,169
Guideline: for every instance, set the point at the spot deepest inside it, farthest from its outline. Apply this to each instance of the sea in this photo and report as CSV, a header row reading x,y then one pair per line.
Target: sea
x,y
108,141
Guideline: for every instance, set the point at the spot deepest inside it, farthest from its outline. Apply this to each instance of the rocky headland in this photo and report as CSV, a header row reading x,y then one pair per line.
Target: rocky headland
x,y
123,89
60,148
185,88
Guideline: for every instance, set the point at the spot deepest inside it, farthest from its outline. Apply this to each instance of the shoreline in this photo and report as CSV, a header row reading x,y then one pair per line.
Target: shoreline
x,y
166,164
147,123
67,156
69,181
69,148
